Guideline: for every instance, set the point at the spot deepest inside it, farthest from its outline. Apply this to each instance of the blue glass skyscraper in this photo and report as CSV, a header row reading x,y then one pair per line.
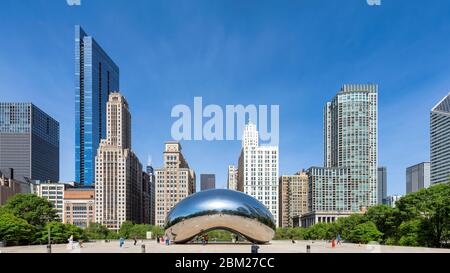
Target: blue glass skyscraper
x,y
96,75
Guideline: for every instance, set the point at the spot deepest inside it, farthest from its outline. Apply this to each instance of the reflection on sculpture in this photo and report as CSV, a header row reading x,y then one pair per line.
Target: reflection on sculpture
x,y
220,209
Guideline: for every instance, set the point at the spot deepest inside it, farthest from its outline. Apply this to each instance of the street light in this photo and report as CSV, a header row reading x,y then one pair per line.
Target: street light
x,y
49,245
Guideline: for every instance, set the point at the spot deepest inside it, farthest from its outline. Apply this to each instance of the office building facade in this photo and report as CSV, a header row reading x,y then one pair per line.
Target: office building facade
x,y
329,190
207,182
96,76
29,142
151,173
174,182
382,185
293,198
232,178
440,142
79,207
417,177
258,170
10,187
392,200
118,174
146,198
54,193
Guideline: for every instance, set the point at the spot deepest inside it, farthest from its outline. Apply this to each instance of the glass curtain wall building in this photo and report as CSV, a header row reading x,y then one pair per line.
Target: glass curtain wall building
x,y
96,76
29,142
351,140
440,141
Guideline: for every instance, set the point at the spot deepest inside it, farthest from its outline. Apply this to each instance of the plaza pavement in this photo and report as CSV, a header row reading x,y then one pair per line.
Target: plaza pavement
x,y
273,247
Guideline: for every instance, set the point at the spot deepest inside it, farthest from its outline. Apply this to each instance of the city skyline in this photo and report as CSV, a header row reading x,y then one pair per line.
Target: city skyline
x,y
308,151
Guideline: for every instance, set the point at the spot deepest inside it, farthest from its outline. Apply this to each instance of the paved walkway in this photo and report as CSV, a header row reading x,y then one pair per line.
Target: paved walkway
x,y
273,247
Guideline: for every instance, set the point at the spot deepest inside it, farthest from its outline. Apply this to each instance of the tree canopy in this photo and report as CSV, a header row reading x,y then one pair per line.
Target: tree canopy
x,y
33,209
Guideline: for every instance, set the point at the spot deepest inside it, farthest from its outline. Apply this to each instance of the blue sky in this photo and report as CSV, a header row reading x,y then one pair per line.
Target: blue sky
x,y
296,54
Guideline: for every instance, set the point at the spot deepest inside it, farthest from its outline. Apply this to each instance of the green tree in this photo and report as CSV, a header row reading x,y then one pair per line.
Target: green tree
x,y
410,233
345,225
364,233
220,235
281,234
320,231
125,229
139,231
15,230
97,232
60,233
157,230
296,233
432,206
33,209
385,218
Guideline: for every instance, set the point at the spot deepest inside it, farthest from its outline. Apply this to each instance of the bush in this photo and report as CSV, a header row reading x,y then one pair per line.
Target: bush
x,y
60,233
97,232
365,233
15,230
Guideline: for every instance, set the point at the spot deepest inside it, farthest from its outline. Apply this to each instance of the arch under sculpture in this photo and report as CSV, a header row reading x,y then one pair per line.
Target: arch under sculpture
x,y
220,209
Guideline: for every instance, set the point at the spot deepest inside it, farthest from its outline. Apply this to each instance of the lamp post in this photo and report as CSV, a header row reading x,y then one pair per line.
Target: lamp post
x,y
49,245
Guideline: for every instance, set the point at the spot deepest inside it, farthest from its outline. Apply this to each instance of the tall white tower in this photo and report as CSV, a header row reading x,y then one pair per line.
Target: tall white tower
x,y
258,170
118,172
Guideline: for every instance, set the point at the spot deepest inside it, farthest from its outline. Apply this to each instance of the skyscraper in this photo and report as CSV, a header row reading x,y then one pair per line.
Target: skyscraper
x,y
348,182
382,185
293,198
207,182
146,198
351,140
151,173
440,141
417,177
118,175
29,142
258,170
232,178
96,76
392,200
174,182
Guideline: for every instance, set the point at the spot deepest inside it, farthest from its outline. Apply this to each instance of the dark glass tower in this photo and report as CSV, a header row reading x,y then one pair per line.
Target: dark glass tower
x,y
207,182
96,76
29,142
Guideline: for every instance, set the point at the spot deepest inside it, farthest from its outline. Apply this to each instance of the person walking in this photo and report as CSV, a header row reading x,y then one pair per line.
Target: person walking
x,y
121,242
339,239
70,245
255,248
135,240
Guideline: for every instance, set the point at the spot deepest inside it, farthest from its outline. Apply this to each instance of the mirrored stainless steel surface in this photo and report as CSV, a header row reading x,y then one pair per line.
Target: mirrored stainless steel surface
x,y
220,209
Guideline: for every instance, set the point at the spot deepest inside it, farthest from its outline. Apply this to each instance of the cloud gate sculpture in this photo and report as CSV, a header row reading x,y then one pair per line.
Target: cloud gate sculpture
x,y
220,209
